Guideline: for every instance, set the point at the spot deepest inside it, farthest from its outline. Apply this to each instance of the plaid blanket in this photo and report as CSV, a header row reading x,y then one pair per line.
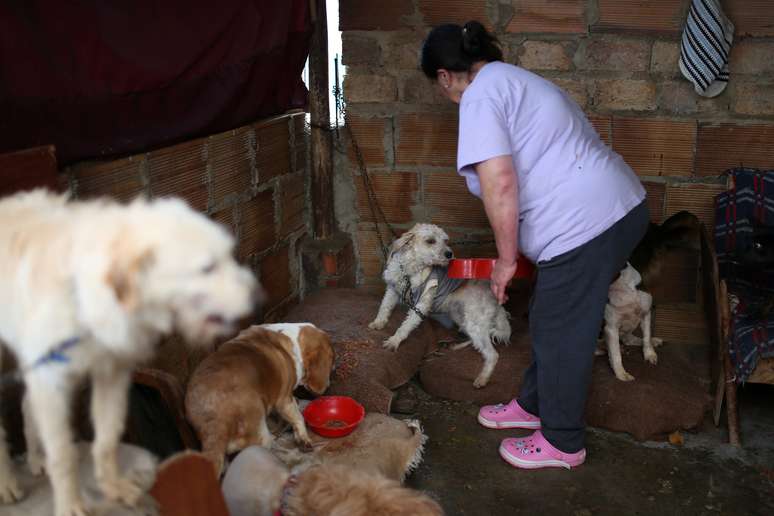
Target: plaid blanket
x,y
749,200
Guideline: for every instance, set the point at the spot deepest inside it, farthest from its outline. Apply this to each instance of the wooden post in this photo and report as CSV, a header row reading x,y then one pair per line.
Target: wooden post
x,y
319,109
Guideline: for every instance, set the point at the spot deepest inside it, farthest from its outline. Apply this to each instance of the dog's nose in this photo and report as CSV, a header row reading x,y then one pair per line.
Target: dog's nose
x,y
449,254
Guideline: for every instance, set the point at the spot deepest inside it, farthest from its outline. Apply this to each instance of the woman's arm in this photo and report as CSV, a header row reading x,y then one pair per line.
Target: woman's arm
x,y
500,192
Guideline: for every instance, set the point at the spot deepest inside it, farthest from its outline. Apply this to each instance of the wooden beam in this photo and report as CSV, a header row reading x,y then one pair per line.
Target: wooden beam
x,y
322,162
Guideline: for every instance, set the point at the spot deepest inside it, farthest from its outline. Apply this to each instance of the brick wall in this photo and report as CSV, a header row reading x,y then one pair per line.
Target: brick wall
x,y
252,180
617,58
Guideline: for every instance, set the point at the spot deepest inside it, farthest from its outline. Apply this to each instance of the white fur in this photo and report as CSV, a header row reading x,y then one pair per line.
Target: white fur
x,y
293,331
118,277
627,309
472,306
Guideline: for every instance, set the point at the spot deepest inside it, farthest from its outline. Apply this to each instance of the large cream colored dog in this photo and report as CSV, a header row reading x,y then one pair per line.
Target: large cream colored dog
x,y
87,290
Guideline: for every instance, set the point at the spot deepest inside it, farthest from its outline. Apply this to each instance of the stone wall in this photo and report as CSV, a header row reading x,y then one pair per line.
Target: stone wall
x,y
618,60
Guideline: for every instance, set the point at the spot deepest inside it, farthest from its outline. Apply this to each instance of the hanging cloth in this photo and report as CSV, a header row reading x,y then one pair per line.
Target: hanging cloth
x,y
706,43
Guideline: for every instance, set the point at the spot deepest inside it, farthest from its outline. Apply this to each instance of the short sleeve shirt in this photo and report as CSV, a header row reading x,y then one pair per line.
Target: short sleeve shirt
x,y
572,187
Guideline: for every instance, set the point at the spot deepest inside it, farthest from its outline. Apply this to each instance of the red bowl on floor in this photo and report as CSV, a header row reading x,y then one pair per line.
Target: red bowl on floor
x,y
333,416
481,268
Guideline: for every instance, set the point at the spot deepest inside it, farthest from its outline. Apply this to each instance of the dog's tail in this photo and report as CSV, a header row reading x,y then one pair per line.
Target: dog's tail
x,y
501,333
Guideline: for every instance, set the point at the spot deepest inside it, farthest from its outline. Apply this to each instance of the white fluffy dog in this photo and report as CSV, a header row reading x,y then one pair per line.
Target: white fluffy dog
x,y
628,308
415,275
87,290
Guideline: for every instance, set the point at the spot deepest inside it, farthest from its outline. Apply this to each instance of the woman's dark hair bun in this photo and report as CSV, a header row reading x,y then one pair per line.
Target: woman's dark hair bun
x,y
472,34
479,43
456,48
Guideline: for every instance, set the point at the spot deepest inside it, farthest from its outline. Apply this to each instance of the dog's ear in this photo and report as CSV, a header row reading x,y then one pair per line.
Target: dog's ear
x,y
106,284
125,272
318,357
405,239
630,276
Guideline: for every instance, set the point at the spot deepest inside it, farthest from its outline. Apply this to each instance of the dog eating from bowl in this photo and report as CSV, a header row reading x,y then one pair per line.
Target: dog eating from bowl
x,y
88,289
415,275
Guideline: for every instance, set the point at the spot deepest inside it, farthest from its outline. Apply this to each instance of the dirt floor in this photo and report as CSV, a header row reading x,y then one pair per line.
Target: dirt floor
x,y
704,476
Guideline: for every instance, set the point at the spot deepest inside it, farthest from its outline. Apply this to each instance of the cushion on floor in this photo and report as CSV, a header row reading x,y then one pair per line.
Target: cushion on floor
x,y
364,369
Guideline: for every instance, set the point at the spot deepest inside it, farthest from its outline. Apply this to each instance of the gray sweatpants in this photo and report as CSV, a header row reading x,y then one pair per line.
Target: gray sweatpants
x,y
565,317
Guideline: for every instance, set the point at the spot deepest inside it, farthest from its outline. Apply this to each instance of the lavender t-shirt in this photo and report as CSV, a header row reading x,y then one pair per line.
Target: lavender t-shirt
x,y
572,187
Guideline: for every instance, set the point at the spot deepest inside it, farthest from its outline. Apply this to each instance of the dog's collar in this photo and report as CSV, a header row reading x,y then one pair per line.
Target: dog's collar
x,y
57,354
287,488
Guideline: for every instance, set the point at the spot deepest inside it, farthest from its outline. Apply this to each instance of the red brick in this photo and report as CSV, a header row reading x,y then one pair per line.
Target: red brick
x,y
427,139
369,249
656,196
559,16
276,277
655,147
725,146
604,126
257,226
449,203
437,12
395,193
181,171
225,217
696,198
30,168
416,88
362,15
230,157
677,97
272,155
120,179
369,135
629,16
292,204
750,17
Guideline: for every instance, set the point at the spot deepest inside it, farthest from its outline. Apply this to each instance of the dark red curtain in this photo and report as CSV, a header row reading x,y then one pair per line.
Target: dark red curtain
x,y
101,78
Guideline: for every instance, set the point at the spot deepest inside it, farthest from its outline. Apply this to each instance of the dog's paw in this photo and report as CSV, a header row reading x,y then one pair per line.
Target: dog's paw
x,y
650,357
10,491
377,324
480,381
124,490
392,343
305,445
624,376
74,509
36,463
656,341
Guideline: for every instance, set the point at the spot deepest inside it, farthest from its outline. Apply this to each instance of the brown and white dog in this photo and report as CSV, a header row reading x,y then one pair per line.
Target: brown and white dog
x,y
236,387
258,484
415,273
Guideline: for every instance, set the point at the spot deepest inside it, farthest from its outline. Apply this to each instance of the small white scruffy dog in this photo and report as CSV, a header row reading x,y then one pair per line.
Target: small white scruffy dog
x,y
87,289
628,308
416,275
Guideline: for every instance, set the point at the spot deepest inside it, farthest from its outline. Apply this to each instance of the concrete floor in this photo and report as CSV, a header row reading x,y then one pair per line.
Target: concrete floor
x,y
705,476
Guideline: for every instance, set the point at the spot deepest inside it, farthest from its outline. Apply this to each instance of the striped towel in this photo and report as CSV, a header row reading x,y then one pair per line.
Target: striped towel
x,y
707,38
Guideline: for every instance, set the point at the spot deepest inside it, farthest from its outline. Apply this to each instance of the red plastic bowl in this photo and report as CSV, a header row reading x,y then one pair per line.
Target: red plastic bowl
x,y
481,268
333,416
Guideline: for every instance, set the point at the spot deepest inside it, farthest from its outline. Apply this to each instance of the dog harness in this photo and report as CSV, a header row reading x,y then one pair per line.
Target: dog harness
x,y
57,354
446,286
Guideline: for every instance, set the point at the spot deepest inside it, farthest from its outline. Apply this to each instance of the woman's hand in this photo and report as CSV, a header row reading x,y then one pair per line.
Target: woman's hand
x,y
502,274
